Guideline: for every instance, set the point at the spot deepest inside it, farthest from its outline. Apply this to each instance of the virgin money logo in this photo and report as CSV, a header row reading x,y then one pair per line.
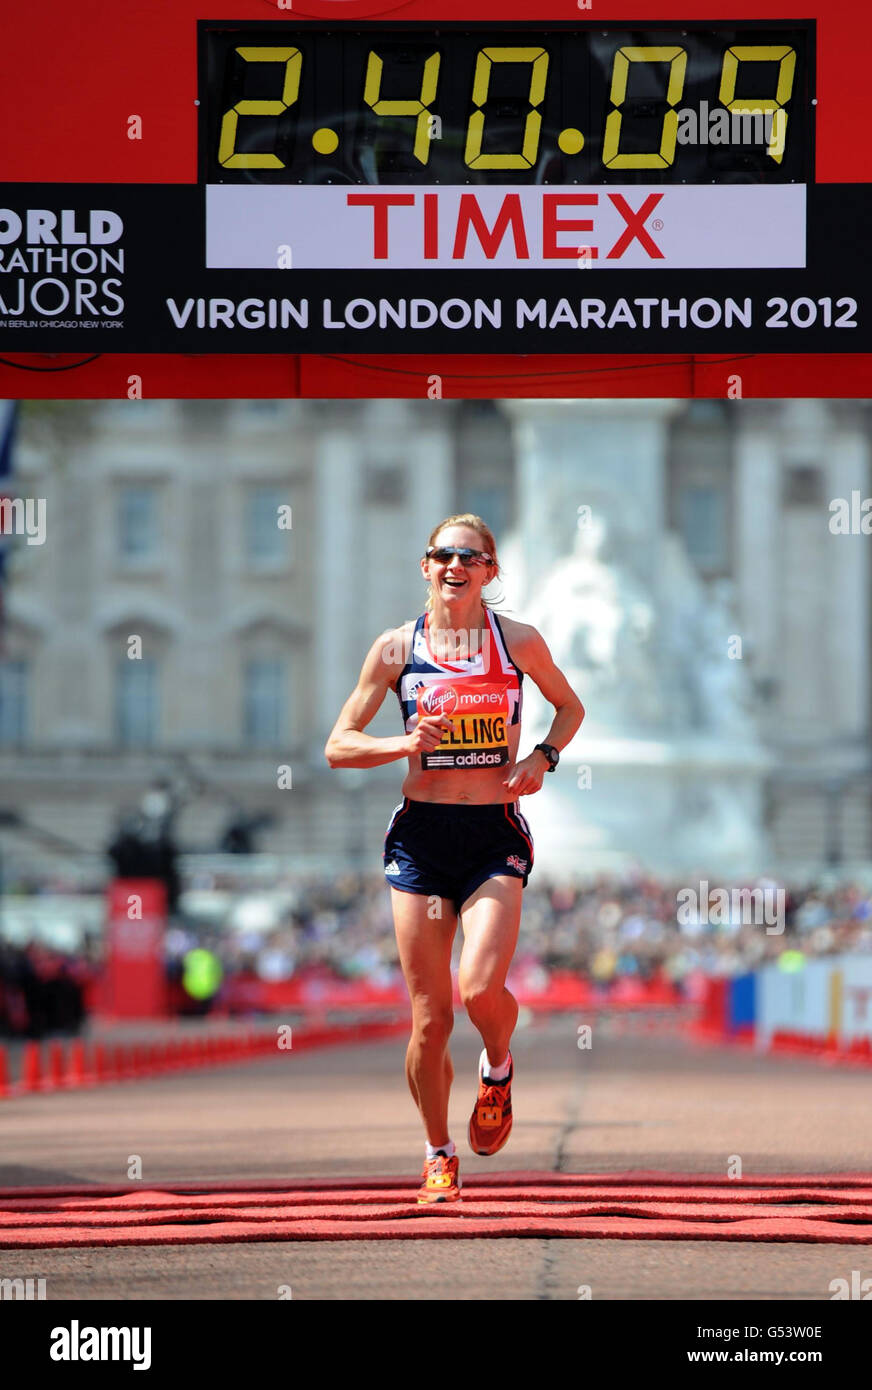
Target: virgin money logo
x,y
440,699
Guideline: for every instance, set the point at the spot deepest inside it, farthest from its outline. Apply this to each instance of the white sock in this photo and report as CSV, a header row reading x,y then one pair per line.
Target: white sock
x,y
494,1073
449,1149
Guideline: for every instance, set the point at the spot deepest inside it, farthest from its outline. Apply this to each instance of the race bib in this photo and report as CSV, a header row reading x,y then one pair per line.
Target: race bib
x,y
479,714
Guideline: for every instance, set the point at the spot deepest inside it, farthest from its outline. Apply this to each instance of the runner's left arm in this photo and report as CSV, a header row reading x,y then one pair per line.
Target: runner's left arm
x,y
535,660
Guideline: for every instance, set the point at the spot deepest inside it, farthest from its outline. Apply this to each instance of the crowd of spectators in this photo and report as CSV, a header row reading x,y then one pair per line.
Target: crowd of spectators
x,y
605,929
42,991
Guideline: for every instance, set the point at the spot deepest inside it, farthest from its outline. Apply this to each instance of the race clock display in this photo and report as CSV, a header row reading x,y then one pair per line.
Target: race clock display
x,y
689,103
659,183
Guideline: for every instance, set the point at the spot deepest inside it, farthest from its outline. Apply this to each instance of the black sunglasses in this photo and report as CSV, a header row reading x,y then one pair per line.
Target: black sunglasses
x,y
443,553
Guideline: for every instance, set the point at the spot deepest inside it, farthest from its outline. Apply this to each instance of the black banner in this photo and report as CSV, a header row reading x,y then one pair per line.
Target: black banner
x,y
122,268
64,1341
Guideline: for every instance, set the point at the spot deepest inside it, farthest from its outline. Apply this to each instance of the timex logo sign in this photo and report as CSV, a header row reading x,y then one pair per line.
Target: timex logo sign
x,y
503,227
470,223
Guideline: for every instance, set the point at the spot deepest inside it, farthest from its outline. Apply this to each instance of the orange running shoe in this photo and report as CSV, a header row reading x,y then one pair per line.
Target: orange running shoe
x,y
491,1121
440,1180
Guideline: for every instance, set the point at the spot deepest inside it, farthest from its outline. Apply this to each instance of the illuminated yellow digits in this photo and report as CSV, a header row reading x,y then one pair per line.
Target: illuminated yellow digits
x,y
756,106
484,62
293,61
677,60
419,107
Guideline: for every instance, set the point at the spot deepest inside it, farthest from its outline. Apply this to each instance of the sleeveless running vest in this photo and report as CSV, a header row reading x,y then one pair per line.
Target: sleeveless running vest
x,y
491,667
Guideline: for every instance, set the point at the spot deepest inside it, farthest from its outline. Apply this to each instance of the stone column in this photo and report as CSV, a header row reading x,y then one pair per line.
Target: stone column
x,y
848,626
757,539
431,494
340,642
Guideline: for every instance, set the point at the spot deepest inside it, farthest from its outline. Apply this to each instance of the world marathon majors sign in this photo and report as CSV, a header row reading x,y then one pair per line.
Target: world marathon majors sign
x,y
121,268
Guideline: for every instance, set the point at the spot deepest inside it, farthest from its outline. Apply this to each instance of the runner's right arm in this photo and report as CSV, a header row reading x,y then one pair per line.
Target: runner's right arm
x,y
348,745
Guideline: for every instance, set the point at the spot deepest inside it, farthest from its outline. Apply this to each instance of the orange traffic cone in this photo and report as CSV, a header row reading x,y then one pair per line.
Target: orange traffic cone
x,y
56,1067
103,1068
76,1073
31,1067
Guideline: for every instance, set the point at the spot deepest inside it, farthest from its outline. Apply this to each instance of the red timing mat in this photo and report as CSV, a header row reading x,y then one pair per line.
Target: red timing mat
x,y
832,1209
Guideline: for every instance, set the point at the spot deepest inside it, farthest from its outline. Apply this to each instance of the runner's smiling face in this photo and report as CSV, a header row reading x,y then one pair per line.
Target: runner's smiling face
x,y
453,584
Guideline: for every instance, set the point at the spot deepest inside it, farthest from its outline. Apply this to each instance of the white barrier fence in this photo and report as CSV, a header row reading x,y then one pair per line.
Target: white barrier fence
x,y
828,997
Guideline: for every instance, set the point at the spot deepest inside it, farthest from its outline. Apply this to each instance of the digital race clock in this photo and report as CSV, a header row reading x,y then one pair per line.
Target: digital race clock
x,y
321,177
297,103
485,147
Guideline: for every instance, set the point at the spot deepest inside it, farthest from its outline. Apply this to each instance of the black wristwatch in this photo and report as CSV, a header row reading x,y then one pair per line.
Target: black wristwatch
x,y
551,754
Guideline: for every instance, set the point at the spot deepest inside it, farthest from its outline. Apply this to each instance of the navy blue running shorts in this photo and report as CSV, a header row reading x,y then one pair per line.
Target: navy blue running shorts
x,y
447,850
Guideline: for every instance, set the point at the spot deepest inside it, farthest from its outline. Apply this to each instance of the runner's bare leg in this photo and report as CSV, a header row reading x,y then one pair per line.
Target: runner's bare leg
x,y
425,929
491,919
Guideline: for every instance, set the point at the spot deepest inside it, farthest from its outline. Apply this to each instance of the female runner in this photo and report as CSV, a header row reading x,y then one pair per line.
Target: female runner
x,y
458,846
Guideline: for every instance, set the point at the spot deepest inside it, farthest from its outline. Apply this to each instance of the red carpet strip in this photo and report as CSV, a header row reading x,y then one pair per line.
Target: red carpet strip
x,y
832,1208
